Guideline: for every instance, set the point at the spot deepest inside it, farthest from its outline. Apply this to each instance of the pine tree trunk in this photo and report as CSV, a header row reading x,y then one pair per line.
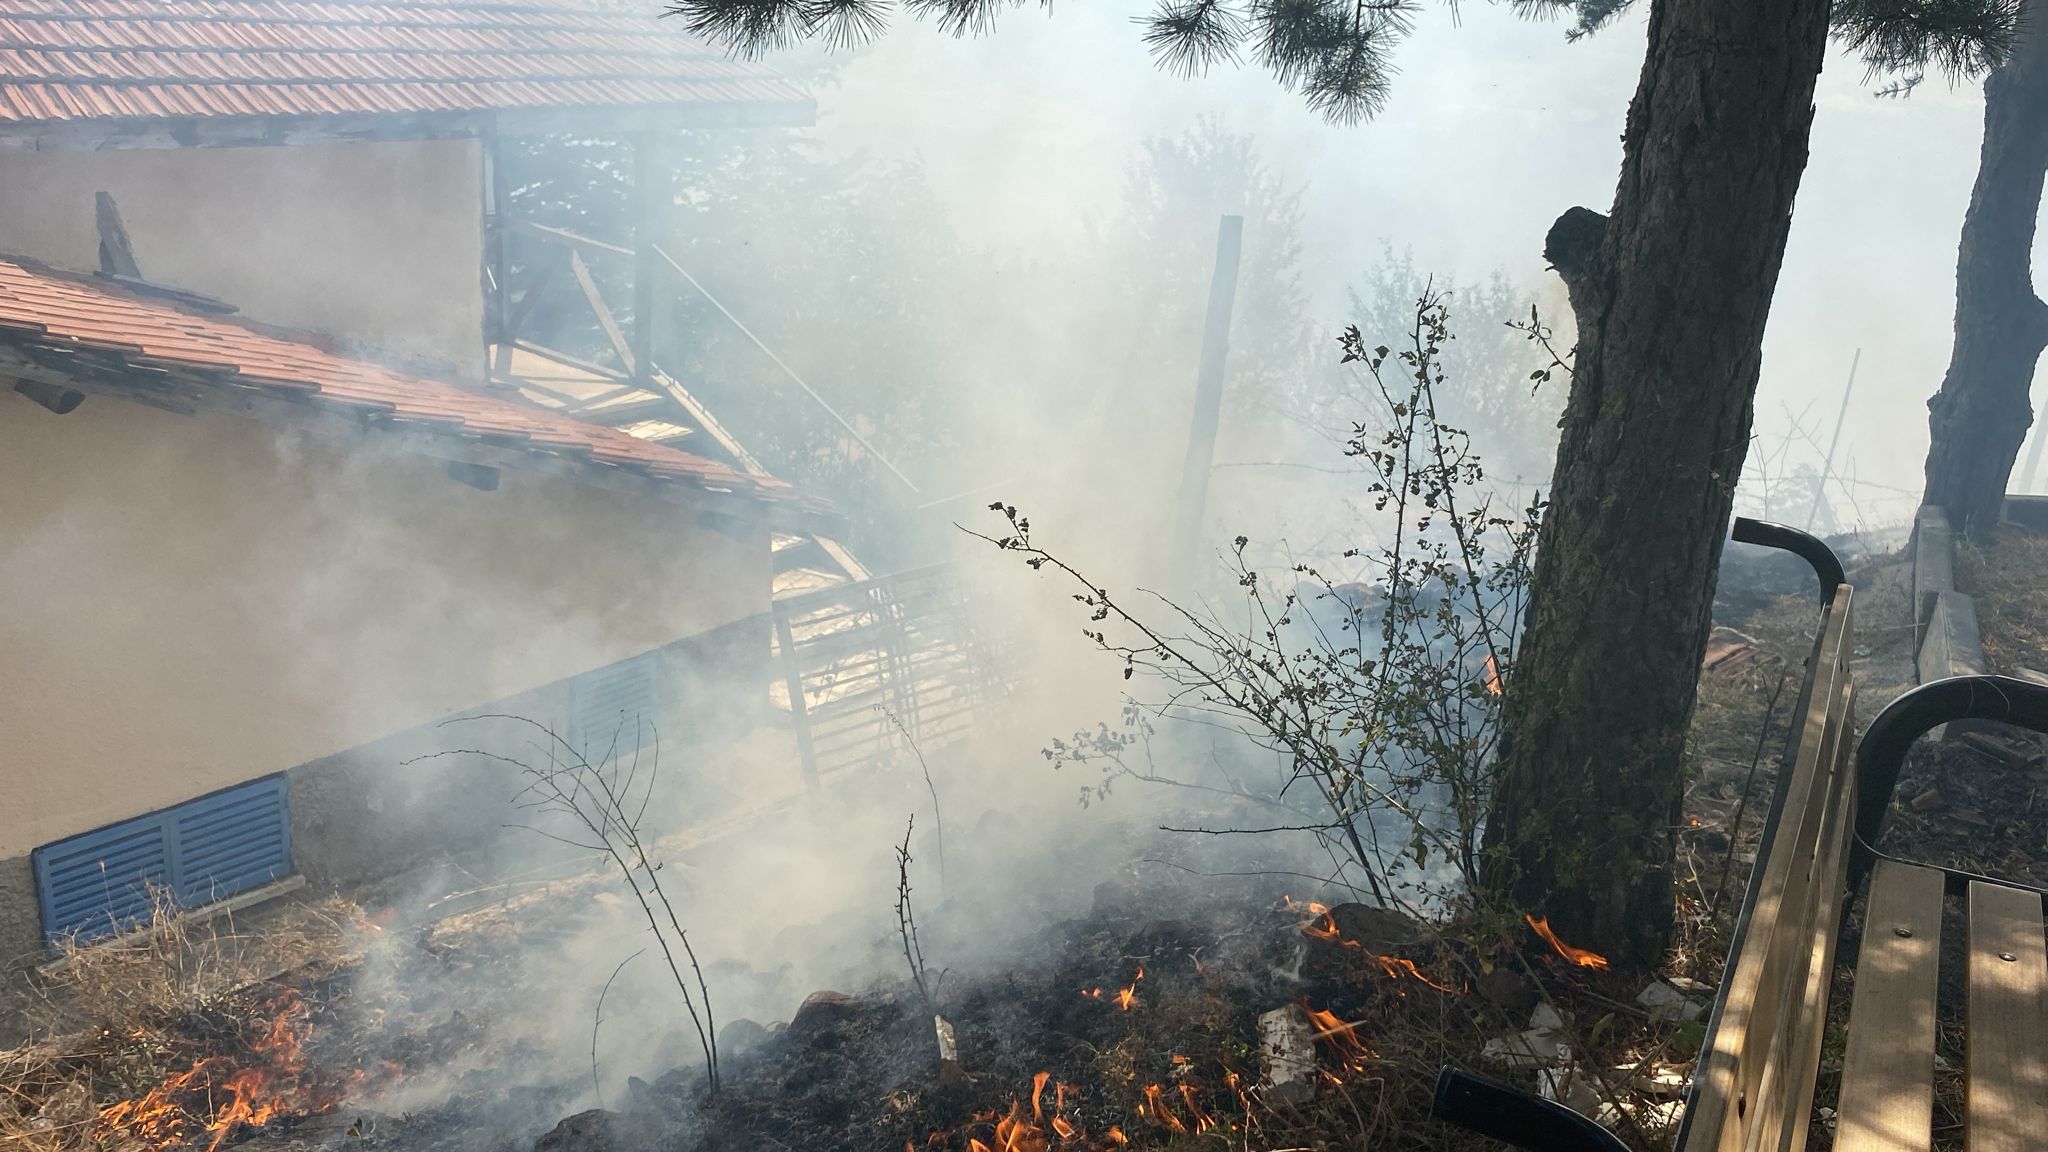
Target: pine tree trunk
x,y
1671,294
1979,418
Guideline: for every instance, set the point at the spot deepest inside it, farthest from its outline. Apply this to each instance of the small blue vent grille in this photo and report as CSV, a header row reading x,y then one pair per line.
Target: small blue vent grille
x,y
196,853
613,708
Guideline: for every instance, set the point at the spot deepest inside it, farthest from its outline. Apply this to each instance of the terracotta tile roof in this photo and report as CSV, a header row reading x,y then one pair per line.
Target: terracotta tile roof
x,y
115,334
72,60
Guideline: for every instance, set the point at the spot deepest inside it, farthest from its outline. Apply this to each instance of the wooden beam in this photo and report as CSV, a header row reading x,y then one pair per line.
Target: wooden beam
x,y
497,244
647,195
603,312
707,423
564,236
568,361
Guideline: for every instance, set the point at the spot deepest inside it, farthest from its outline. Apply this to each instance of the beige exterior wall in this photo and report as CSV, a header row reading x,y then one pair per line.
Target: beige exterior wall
x,y
187,602
380,243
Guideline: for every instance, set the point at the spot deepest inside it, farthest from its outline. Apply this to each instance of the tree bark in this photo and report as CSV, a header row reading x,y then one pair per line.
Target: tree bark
x,y
1671,303
1979,419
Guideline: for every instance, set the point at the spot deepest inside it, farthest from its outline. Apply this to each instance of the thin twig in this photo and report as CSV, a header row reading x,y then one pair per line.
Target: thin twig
x,y
938,821
597,1019
906,919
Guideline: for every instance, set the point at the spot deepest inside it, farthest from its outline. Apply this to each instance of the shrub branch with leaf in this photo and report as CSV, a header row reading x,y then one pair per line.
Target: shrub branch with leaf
x,y
1379,707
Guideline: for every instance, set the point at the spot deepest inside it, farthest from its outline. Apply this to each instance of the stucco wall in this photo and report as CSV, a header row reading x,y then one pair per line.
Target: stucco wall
x,y
379,243
187,602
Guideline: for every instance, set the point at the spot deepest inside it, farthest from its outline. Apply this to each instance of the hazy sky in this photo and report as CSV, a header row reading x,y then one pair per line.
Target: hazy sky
x,y
1495,125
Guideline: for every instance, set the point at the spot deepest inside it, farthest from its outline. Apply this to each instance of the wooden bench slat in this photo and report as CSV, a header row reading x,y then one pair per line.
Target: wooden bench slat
x,y
2008,1094
1733,1098
1829,876
1887,1099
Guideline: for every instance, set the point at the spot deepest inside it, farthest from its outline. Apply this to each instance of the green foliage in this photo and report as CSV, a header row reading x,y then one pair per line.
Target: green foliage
x,y
1380,710
1338,54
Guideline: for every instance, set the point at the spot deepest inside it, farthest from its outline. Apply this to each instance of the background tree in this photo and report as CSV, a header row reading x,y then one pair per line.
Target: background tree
x,y
1671,290
1979,419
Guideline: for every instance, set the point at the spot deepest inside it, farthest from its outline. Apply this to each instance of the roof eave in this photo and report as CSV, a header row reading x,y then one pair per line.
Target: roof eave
x,y
108,133
110,377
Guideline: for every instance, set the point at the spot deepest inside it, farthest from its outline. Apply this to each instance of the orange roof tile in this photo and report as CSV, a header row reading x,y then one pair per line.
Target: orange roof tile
x,y
137,338
73,60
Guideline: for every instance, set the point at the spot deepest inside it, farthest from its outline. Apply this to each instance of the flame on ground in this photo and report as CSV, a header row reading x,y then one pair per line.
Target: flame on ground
x,y
1578,956
1156,1109
1397,967
220,1095
1342,1038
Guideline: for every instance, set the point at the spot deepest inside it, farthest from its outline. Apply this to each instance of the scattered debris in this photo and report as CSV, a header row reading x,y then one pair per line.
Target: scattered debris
x,y
1667,1004
1542,1045
1287,1051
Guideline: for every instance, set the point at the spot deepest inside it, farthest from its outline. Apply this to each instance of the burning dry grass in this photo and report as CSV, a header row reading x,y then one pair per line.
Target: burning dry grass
x,y
176,1034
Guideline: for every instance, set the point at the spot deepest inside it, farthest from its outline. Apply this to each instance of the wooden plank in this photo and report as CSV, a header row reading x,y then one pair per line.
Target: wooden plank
x,y
1732,1070
1774,1078
1831,883
1887,1100
2008,1065
564,236
603,312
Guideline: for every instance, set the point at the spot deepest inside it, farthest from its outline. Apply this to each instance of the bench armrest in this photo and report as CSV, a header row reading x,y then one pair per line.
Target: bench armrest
x,y
1523,1119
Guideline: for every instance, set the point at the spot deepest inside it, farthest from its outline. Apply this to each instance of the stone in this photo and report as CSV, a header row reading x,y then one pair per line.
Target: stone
x,y
1507,990
592,1131
1927,801
740,1036
1287,1056
1668,1004
1377,930
821,1012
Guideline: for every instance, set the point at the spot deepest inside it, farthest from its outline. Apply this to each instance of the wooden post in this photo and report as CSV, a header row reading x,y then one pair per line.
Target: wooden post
x,y
497,254
799,716
1194,476
648,188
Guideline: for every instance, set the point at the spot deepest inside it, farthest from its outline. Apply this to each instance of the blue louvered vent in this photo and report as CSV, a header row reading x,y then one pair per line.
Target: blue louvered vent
x,y
196,853
613,708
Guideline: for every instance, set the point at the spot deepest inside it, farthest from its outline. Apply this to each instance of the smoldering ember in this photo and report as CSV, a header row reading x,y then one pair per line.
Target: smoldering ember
x,y
733,575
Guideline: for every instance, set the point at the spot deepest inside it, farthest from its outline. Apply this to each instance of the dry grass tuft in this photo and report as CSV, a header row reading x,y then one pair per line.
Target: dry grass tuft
x,y
2012,599
110,1011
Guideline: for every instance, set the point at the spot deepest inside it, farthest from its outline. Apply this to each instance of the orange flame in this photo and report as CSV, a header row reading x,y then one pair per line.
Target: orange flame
x,y
1342,1037
1117,1137
1155,1108
1014,1134
1202,1120
1492,676
221,1094
1127,999
1398,967
1578,956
